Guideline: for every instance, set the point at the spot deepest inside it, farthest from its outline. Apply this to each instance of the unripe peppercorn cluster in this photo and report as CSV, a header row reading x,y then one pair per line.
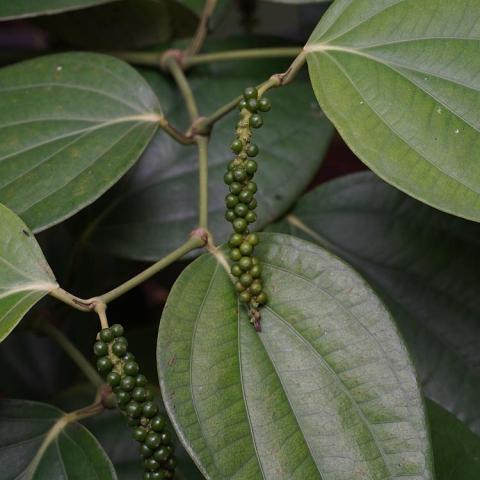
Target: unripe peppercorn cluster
x,y
241,202
135,400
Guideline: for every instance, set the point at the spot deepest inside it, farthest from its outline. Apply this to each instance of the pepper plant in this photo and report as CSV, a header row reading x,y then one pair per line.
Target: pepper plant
x,y
308,333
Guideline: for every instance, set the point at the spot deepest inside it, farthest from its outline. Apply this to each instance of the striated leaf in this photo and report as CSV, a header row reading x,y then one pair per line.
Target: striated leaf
x,y
425,266
25,276
73,454
325,391
70,126
399,79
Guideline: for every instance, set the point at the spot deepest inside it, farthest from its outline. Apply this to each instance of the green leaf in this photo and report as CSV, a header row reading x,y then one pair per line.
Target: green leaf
x,y
399,79
70,126
456,448
10,9
425,266
73,454
155,209
125,24
25,276
325,391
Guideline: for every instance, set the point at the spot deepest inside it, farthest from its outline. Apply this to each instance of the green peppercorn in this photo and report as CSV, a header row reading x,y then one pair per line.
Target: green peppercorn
x,y
235,254
151,464
251,217
256,287
158,475
246,248
264,104
100,349
241,210
117,330
245,196
231,200
242,156
166,438
228,178
252,150
256,271
250,92
161,455
129,357
236,240
251,187
153,440
134,409
119,349
139,394
150,409
145,452
253,239
127,383
245,297
242,104
237,146
106,335
131,368
239,174
230,215
256,121
113,379
158,423
104,364
236,188
141,380
252,105
251,167
239,287
246,279
261,298
240,225
245,263
139,434
123,397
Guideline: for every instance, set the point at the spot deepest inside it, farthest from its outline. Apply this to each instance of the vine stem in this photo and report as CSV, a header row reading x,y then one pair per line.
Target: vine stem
x,y
198,239
246,54
202,29
202,143
172,64
72,351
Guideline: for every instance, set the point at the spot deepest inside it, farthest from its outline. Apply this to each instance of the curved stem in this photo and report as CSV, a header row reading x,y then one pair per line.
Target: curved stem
x,y
247,54
72,300
173,66
202,29
72,351
192,244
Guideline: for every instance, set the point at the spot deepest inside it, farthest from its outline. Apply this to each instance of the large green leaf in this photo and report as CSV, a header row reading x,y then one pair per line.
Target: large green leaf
x,y
422,262
70,126
456,448
10,9
399,79
73,454
325,391
25,276
155,209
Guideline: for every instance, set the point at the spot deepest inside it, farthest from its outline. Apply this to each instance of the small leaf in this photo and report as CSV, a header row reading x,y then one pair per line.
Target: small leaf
x,y
399,79
10,9
456,449
325,391
70,126
156,208
25,276
422,262
73,454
